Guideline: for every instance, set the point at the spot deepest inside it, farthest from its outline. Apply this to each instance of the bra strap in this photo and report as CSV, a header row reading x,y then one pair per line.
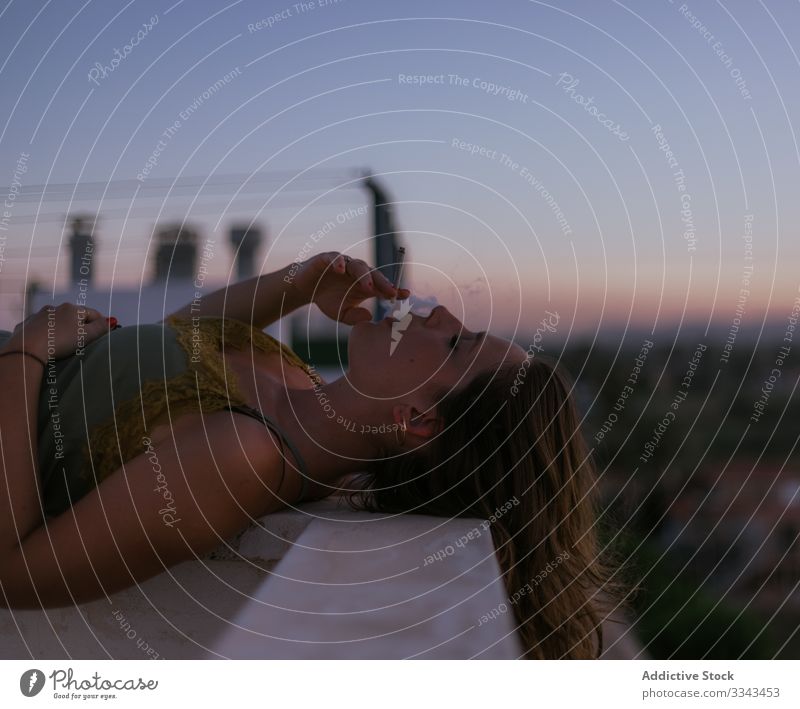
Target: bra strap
x,y
269,423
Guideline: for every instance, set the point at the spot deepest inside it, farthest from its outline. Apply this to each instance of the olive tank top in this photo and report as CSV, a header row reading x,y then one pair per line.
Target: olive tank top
x,y
97,407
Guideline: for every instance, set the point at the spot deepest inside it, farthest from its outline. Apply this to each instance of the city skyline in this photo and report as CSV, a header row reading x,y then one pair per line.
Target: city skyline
x,y
603,161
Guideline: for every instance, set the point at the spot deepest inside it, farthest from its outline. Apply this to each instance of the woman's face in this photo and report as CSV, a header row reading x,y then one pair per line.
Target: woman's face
x,y
434,351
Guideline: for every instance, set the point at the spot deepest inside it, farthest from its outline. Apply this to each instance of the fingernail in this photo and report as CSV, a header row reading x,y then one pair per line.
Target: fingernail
x,y
112,322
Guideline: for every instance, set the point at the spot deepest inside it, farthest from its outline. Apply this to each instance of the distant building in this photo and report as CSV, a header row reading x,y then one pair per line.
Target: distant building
x,y
81,245
176,253
181,264
245,240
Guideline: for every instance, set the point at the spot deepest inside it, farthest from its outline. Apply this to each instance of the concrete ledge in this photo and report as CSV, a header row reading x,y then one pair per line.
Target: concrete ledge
x,y
319,582
356,585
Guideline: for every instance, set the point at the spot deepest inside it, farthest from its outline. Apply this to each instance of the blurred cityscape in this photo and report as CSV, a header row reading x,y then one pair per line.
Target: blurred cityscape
x,y
182,264
701,475
695,437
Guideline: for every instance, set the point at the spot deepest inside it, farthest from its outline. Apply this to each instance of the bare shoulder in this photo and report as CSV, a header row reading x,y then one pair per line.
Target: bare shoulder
x,y
184,495
227,459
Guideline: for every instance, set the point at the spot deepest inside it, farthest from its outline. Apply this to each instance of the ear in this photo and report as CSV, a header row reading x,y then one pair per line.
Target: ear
x,y
419,424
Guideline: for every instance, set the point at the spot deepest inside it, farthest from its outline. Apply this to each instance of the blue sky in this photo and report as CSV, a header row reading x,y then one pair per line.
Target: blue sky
x,y
321,89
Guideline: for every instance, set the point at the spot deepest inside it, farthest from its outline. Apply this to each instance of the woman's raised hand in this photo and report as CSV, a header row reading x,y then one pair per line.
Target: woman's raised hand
x,y
338,284
58,331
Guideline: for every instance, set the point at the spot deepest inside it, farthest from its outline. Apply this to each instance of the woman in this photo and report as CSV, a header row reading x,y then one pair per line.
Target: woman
x,y
141,462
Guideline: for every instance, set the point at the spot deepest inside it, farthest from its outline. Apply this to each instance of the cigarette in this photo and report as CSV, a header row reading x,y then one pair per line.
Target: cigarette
x,y
398,270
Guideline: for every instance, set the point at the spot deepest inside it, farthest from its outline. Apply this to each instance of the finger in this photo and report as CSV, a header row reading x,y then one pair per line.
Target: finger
x,y
90,315
403,293
362,273
356,315
383,284
96,328
329,258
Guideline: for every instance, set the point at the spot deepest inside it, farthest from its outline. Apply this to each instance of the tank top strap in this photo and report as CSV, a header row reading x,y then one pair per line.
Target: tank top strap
x,y
270,423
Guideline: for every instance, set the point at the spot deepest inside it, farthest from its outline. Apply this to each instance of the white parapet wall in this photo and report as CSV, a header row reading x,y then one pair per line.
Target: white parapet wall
x,y
321,581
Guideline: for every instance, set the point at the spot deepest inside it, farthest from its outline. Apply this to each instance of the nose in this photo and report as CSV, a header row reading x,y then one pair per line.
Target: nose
x,y
440,314
436,315
433,313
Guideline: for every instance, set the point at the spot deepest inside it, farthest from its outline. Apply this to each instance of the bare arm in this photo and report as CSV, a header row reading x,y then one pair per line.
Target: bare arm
x,y
20,382
52,333
117,535
260,300
331,281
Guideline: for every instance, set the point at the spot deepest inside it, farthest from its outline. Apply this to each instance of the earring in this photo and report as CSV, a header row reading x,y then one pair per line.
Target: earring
x,y
403,428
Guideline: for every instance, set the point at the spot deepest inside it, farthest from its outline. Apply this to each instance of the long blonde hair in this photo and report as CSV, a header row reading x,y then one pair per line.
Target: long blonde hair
x,y
508,438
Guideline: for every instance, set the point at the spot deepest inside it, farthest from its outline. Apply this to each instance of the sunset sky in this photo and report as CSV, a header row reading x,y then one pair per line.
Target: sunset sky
x,y
525,145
